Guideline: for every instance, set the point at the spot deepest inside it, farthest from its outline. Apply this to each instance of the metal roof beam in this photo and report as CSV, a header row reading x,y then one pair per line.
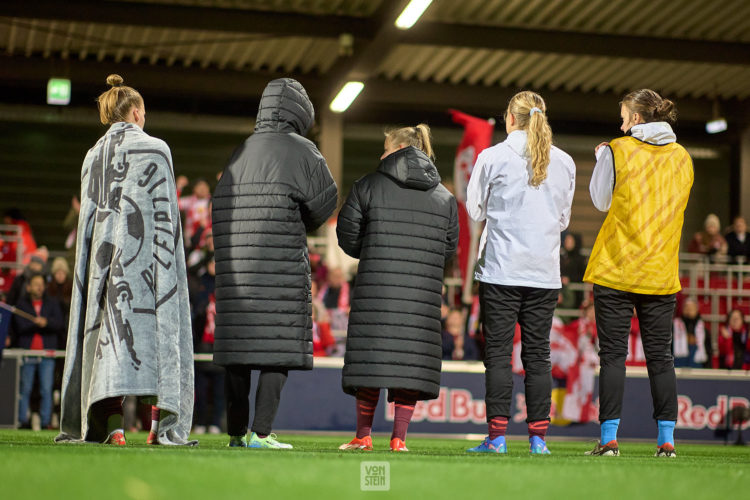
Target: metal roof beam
x,y
190,17
423,33
567,42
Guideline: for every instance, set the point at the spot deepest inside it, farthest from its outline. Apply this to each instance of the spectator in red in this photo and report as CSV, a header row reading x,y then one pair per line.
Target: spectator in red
x,y
733,342
577,404
196,208
709,241
13,216
318,269
738,241
688,344
39,334
323,341
585,326
9,246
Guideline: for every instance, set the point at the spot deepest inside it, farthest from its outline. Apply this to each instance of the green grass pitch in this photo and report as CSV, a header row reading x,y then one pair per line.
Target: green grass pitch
x,y
33,467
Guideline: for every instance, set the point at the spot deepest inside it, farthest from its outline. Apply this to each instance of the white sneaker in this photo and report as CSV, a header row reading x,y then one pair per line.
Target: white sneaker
x,y
214,429
199,429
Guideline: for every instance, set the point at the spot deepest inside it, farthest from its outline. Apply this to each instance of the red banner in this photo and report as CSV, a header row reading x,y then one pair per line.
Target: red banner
x,y
477,137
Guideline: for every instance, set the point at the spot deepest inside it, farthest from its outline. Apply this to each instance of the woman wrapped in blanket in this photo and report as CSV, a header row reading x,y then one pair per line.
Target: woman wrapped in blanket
x,y
129,332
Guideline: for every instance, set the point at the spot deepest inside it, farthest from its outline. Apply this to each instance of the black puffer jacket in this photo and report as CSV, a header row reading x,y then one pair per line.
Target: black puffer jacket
x,y
403,225
275,188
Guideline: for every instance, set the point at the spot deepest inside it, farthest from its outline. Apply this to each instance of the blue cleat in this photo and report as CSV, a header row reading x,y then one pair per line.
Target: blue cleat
x,y
537,446
496,445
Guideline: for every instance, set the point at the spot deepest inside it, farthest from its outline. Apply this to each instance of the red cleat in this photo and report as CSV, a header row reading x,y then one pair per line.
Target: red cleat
x,y
364,444
116,438
398,445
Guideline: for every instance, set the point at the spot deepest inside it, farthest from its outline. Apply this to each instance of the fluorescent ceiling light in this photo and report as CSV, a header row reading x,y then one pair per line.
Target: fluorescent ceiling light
x,y
346,96
412,13
716,126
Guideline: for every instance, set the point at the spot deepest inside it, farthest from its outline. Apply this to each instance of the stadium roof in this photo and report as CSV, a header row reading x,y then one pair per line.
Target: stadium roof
x,y
582,55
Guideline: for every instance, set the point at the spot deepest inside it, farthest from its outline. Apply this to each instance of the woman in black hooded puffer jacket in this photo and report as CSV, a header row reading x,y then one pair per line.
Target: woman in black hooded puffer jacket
x,y
276,187
403,226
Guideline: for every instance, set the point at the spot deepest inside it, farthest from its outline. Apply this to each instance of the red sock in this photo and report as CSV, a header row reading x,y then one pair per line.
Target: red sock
x,y
155,418
497,427
367,400
538,428
405,401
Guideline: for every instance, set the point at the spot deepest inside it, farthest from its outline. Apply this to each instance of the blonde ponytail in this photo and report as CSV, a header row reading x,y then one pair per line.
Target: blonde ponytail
x,y
529,110
418,136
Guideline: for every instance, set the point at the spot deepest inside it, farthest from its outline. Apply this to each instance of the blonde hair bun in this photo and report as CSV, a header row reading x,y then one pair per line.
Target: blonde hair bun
x,y
115,103
114,80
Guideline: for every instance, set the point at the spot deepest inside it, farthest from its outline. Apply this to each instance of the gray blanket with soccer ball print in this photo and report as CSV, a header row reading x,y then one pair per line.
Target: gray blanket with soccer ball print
x,y
129,331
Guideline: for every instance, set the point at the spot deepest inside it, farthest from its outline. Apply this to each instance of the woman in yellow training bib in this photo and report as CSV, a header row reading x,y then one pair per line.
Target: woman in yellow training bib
x,y
643,180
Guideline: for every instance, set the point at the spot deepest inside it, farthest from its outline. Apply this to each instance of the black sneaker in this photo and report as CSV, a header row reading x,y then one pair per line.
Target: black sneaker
x,y
608,450
666,450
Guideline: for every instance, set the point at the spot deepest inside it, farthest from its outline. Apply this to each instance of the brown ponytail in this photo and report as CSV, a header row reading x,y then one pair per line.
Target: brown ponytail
x,y
529,110
651,106
115,103
418,136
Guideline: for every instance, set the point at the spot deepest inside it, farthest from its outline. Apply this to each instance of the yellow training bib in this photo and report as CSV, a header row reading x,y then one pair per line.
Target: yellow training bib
x,y
638,245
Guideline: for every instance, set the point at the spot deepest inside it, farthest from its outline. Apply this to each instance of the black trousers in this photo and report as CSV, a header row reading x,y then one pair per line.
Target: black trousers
x,y
532,308
267,397
614,308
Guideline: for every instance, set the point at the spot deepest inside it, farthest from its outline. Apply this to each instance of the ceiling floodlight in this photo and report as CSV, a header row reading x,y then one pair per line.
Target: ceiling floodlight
x,y
412,13
716,126
346,96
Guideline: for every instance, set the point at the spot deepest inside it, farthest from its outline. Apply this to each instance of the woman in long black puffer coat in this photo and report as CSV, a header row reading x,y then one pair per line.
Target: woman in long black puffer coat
x,y
403,226
275,188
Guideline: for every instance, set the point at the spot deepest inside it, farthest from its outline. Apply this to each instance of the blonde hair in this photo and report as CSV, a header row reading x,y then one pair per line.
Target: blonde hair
x,y
60,264
115,103
529,110
712,219
418,136
651,106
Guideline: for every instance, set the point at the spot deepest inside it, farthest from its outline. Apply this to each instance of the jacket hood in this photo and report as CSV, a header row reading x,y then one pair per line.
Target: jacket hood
x,y
284,107
411,167
653,132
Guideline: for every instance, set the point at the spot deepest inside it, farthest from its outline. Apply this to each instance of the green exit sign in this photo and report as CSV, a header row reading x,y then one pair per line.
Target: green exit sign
x,y
58,91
